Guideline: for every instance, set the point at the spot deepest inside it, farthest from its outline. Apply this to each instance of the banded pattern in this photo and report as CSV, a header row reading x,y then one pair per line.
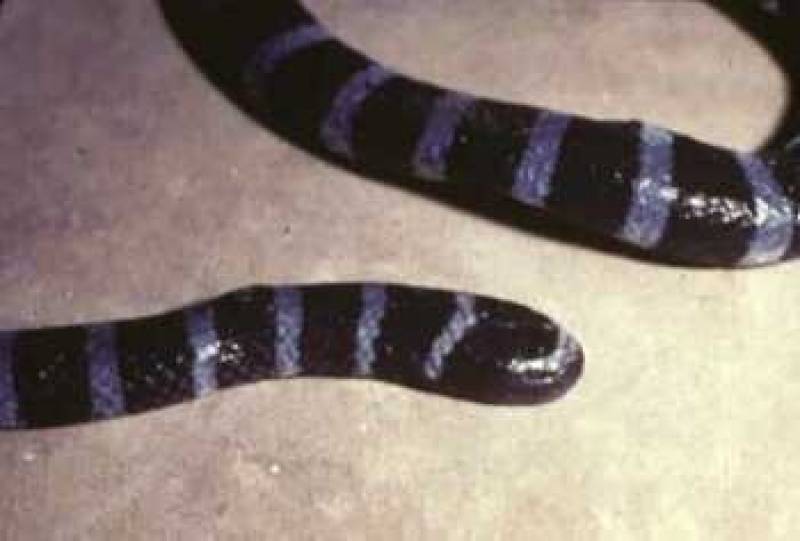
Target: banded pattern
x,y
646,186
104,377
455,344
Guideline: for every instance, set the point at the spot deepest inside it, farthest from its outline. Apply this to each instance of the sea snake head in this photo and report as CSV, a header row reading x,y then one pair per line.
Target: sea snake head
x,y
512,356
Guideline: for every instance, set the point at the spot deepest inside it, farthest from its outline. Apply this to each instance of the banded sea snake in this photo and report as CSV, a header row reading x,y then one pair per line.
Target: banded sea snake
x,y
631,181
456,344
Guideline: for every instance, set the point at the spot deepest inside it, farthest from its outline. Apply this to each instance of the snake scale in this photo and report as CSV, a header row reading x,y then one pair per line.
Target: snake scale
x,y
630,181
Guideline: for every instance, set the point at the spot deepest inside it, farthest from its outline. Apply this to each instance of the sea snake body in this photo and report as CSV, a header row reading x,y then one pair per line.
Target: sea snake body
x,y
456,344
631,181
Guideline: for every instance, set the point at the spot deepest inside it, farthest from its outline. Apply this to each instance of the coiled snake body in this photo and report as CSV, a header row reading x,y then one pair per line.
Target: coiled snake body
x,y
631,181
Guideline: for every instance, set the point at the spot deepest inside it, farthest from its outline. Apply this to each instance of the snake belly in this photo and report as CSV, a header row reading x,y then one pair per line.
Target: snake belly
x,y
455,344
653,189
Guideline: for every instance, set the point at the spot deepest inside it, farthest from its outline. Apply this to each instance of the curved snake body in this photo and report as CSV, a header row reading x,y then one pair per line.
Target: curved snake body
x,y
637,183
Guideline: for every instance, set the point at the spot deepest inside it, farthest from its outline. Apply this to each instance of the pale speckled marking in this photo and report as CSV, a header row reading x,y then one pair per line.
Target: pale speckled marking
x,y
430,155
288,330
337,129
373,309
773,214
534,175
104,379
9,407
202,337
278,48
463,318
554,364
653,191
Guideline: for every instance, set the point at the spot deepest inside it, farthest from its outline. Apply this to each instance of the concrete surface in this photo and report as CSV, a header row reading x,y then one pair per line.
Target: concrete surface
x,y
129,186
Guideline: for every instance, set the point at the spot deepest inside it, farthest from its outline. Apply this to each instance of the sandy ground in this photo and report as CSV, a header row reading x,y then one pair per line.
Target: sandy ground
x,y
129,185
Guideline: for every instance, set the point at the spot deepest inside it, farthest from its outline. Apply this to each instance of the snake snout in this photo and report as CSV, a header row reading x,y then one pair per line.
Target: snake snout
x,y
513,356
